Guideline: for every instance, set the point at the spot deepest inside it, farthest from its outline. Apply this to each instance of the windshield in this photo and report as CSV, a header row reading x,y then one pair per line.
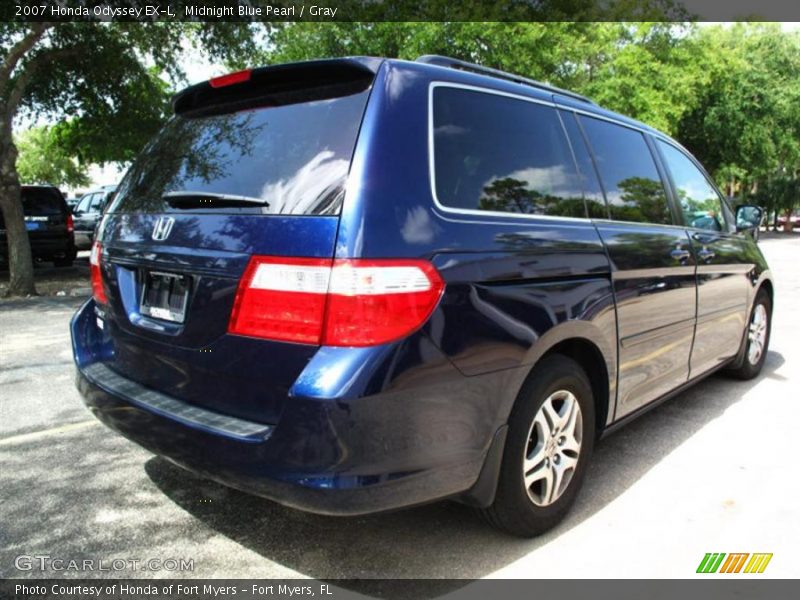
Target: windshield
x,y
291,159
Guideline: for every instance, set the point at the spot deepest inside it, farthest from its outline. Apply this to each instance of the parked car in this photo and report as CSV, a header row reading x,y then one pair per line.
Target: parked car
x,y
357,285
49,224
87,213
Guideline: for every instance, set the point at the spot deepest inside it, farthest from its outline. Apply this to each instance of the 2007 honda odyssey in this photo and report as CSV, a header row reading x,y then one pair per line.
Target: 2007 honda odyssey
x,y
360,284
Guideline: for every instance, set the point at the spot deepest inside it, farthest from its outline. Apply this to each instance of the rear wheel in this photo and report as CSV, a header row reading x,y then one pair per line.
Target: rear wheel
x,y
550,441
757,340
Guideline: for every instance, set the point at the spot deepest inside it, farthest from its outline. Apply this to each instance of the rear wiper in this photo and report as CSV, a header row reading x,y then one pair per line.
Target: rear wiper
x,y
210,200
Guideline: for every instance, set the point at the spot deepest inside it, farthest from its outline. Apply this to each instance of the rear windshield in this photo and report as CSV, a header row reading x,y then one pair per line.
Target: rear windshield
x,y
38,202
291,159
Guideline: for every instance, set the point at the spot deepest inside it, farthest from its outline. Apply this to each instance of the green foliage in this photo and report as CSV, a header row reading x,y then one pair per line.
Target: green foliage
x,y
747,118
43,160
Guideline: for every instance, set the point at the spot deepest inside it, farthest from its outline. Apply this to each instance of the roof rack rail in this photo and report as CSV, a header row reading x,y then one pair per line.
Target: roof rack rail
x,y
454,63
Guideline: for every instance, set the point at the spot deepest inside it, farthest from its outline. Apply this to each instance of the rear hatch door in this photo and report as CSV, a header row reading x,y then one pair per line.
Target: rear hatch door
x,y
258,167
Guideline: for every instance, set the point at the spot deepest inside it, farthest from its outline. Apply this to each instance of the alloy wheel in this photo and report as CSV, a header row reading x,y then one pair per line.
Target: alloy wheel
x,y
757,334
553,448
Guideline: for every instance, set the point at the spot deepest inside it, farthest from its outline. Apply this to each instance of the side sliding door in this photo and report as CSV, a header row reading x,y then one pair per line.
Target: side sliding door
x,y
652,263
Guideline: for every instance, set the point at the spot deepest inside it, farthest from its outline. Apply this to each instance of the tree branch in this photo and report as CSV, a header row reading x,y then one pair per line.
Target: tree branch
x,y
21,83
18,50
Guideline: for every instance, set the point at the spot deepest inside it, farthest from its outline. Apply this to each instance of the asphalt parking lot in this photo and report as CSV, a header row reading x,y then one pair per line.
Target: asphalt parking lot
x,y
713,470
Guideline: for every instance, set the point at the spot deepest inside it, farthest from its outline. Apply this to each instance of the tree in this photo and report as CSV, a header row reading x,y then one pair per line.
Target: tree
x,y
745,126
43,160
108,78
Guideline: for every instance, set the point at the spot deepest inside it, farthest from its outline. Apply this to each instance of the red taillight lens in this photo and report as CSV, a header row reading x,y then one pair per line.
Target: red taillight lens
x,y
98,289
70,224
282,299
376,301
230,78
335,303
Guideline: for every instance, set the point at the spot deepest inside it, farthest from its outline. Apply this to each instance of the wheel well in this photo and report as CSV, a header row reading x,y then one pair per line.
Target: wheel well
x,y
767,285
588,356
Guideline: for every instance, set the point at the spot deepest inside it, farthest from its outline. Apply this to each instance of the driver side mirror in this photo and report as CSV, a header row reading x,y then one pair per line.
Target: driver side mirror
x,y
748,217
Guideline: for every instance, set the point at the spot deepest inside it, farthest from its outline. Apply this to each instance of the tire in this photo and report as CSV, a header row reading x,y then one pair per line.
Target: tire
x,y
757,332
525,511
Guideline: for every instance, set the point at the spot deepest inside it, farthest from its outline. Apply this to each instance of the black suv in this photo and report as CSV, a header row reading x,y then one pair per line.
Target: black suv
x,y
49,224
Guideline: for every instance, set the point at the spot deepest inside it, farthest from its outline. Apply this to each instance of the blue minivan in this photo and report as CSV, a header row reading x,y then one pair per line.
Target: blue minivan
x,y
362,284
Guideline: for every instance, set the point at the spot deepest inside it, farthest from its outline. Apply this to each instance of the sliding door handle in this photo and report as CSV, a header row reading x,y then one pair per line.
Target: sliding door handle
x,y
705,254
680,254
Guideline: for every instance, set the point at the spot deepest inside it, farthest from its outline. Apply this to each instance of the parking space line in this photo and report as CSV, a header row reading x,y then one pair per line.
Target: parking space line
x,y
35,435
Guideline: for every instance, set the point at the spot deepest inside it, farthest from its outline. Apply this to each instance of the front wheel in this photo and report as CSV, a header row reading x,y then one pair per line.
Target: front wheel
x,y
550,441
757,338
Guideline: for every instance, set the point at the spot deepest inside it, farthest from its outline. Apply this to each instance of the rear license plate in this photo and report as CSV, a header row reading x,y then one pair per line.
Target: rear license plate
x,y
164,296
32,225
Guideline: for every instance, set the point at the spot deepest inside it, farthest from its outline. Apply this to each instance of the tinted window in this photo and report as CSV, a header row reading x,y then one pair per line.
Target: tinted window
x,y
290,159
593,193
634,190
700,203
502,154
42,202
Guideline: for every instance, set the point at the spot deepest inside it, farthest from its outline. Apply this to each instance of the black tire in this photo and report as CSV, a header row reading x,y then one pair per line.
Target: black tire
x,y
748,369
514,510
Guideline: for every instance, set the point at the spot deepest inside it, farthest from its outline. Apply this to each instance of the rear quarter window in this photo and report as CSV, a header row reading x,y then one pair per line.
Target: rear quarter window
x,y
502,154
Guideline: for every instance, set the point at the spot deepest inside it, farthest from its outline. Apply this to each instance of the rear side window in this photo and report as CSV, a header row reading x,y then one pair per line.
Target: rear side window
x,y
42,202
502,154
633,187
291,159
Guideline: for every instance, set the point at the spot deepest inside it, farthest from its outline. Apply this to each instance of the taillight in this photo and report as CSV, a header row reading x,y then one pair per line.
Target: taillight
x,y
354,302
70,224
98,289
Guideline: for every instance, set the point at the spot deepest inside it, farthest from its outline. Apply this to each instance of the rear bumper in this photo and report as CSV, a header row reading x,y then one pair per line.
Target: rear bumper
x,y
328,456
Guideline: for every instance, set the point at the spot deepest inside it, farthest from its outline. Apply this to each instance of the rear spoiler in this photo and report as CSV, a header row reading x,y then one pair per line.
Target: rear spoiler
x,y
277,85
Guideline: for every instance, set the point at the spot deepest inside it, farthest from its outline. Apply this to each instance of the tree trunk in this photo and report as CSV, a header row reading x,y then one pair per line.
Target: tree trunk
x,y
20,259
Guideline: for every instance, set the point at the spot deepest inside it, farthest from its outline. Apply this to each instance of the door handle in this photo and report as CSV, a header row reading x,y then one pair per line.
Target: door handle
x,y
679,254
705,254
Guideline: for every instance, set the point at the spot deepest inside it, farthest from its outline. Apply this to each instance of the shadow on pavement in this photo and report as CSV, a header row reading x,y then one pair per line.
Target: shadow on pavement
x,y
446,539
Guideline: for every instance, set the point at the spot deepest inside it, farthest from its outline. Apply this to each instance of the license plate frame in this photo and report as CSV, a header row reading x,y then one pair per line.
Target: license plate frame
x,y
164,295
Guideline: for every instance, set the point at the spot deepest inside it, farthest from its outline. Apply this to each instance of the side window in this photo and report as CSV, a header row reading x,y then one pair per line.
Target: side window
x,y
701,205
593,193
83,204
503,154
634,189
97,203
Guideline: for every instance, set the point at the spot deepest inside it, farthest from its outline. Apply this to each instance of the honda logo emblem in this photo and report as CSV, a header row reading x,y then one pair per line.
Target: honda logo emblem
x,y
162,228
